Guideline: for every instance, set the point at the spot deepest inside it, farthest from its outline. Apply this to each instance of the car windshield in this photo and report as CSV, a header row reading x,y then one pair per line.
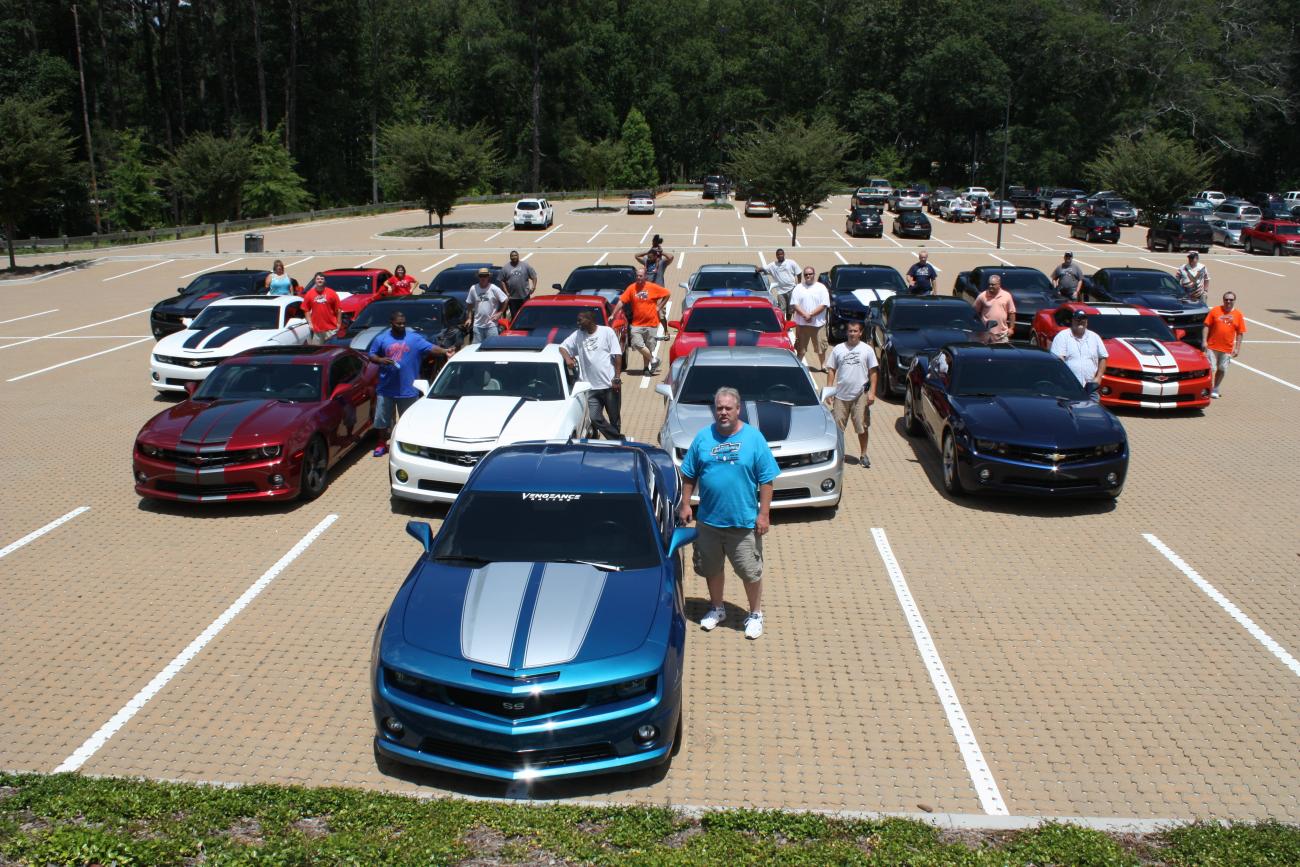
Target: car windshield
x,y
1130,326
422,316
739,318
846,280
909,317
547,316
1118,203
1287,230
1021,281
641,195
1233,224
528,206
455,280
1133,283
613,529
598,278
357,284
786,383
729,280
1026,375
912,217
525,379
240,316
1101,222
261,381
227,284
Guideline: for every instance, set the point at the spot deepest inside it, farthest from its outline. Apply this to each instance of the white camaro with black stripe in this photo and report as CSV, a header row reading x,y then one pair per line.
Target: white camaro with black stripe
x,y
226,327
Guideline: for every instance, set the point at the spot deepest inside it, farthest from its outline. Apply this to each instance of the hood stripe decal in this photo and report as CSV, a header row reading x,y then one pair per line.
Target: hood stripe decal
x,y
193,341
218,422
229,334
564,606
773,419
494,598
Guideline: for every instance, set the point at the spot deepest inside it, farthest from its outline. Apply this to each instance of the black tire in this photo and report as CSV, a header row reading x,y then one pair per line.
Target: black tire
x,y
1277,250
1174,246
677,736
386,766
1151,244
948,459
911,423
315,470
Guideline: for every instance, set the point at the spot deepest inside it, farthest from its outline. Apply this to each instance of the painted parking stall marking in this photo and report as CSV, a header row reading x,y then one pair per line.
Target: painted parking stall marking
x,y
136,271
211,268
36,534
78,328
96,741
1291,385
28,316
439,262
980,775
81,358
1283,655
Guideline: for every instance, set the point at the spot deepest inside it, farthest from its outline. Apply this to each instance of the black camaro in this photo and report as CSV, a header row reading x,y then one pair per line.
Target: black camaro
x,y
172,314
912,326
857,289
1014,420
1148,287
1029,287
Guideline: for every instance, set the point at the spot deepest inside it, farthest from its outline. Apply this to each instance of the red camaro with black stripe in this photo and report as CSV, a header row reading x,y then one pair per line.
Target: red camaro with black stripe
x,y
729,322
1150,367
555,317
265,425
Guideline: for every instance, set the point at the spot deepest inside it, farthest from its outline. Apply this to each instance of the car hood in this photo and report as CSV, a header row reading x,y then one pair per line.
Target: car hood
x,y
354,302
556,334
1038,421
188,305
1163,302
777,422
207,342
194,423
527,615
1033,300
1153,356
926,340
360,340
480,419
857,300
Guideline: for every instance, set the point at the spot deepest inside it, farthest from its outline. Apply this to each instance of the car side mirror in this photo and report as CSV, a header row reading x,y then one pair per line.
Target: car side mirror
x,y
1180,333
682,285
422,386
339,390
828,391
557,287
298,320
581,387
421,532
681,536
191,386
675,323
664,389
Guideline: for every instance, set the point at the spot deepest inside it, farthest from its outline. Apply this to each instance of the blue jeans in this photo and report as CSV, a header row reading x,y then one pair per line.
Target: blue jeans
x,y
482,333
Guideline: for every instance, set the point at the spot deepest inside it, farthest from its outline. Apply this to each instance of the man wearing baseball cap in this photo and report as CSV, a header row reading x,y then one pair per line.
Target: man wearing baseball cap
x,y
1067,277
1082,351
483,306
1194,278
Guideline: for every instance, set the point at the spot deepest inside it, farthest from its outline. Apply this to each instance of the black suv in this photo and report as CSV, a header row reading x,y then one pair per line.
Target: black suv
x,y
1180,233
714,185
173,314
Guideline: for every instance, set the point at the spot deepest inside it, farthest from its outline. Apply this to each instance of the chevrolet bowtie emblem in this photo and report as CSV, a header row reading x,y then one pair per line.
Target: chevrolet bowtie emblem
x,y
1054,457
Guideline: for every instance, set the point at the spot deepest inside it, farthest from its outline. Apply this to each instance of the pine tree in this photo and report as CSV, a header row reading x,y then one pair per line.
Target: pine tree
x,y
273,185
131,185
638,168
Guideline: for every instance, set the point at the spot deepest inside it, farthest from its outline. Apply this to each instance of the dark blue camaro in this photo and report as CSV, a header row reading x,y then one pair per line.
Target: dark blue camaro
x,y
1014,420
541,634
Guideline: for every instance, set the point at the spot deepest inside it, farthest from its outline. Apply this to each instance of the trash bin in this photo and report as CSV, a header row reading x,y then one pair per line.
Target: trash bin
x,y
252,243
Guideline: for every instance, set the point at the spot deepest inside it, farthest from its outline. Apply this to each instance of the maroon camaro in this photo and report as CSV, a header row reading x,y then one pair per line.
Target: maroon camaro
x,y
267,424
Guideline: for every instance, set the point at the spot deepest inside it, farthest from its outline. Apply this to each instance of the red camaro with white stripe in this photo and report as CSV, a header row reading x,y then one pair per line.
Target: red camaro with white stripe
x,y
1149,367
729,322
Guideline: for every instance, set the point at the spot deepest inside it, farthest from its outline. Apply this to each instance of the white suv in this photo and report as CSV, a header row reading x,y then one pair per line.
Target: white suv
x,y
533,212
1214,197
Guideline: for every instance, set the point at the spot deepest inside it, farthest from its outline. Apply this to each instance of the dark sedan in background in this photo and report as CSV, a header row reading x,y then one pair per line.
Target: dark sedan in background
x,y
174,314
864,223
1099,229
457,280
1029,287
1014,420
912,224
607,281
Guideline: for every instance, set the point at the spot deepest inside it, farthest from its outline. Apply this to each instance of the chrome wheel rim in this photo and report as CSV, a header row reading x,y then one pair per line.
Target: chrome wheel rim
x,y
949,462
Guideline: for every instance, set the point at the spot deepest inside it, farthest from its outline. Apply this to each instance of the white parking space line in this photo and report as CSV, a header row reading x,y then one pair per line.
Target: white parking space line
x,y
494,237
78,328
136,271
840,256
300,261
699,214
1032,241
439,262
36,534
940,240
210,268
681,260
981,240
1223,602
647,233
735,211
96,741
999,258
529,256
133,336
1287,342
762,260
1154,262
557,228
1247,318
980,775
598,231
75,360
604,256
659,332
847,242
1249,268
695,237
1291,385
818,216
370,261
29,316
890,239
743,236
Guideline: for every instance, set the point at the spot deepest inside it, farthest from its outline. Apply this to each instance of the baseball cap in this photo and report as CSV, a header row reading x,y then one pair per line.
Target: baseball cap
x,y
1069,255
1079,314
484,272
1193,255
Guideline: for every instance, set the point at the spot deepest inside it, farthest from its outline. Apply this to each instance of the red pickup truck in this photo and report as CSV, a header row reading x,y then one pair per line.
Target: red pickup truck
x,y
1272,237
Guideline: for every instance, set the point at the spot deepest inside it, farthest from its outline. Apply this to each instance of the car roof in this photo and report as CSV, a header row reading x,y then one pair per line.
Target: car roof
x,y
1127,269
256,300
1003,352
1108,308
369,271
733,301
752,356
861,266
604,268
423,298
728,267
572,300
510,348
232,272
298,354
564,467
927,301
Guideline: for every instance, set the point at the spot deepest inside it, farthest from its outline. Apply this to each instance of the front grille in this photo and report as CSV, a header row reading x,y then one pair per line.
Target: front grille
x,y
1052,484
192,490
516,706
1147,376
451,456
1047,457
167,317
791,494
188,362
211,459
444,487
517,761
1157,398
1184,320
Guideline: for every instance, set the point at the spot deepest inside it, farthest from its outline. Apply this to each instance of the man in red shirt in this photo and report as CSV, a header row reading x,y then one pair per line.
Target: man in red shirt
x,y
647,301
321,304
1224,329
398,284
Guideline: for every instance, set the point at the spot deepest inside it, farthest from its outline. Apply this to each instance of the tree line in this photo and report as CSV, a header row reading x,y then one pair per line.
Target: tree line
x,y
318,95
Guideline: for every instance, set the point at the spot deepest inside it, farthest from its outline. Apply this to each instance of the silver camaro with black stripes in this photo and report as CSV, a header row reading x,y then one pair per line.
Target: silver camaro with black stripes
x,y
780,398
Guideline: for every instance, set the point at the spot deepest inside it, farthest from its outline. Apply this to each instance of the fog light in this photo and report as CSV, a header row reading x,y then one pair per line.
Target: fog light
x,y
156,377
1112,479
1205,392
141,478
393,726
402,476
985,475
646,734
277,481
828,485
1105,389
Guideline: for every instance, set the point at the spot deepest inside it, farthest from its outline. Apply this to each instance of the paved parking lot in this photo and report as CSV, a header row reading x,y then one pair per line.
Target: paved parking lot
x,y
973,656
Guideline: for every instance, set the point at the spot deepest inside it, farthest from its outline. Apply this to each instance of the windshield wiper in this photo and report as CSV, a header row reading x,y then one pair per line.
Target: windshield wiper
x,y
462,558
599,564
976,394
781,402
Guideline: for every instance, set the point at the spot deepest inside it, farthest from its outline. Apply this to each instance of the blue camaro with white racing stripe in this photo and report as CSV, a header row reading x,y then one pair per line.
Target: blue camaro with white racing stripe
x,y
541,633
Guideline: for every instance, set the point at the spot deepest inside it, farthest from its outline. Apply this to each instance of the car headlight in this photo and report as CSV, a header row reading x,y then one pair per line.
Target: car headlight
x,y
150,450
990,446
402,680
905,361
408,449
629,688
621,691
680,453
270,451
1109,448
820,457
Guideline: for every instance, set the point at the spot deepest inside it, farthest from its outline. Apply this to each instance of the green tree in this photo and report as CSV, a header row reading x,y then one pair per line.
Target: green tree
x,y
596,162
638,165
273,186
131,184
209,173
1154,171
796,165
35,159
436,163
887,162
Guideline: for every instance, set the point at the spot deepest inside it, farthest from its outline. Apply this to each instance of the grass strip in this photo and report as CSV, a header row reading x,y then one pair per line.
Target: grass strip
x,y
76,820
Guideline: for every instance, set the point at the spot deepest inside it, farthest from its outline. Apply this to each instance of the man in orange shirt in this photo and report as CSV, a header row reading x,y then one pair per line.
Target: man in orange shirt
x,y
1224,329
321,304
647,301
999,307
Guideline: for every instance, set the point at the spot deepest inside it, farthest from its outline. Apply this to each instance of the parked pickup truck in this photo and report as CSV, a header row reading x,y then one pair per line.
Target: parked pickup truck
x,y
1180,233
1272,237
1027,204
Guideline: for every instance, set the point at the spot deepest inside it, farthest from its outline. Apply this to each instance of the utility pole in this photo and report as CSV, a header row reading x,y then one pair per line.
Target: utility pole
x,y
1006,140
85,118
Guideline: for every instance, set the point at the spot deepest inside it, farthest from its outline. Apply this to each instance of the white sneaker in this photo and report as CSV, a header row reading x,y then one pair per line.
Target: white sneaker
x,y
713,618
1215,394
754,625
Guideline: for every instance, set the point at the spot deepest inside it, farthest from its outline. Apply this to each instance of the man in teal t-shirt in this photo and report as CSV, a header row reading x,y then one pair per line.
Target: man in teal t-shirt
x,y
730,463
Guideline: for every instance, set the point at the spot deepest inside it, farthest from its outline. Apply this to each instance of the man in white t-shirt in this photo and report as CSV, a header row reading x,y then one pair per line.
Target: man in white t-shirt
x,y
785,274
1194,278
1082,351
484,306
852,369
594,349
809,305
